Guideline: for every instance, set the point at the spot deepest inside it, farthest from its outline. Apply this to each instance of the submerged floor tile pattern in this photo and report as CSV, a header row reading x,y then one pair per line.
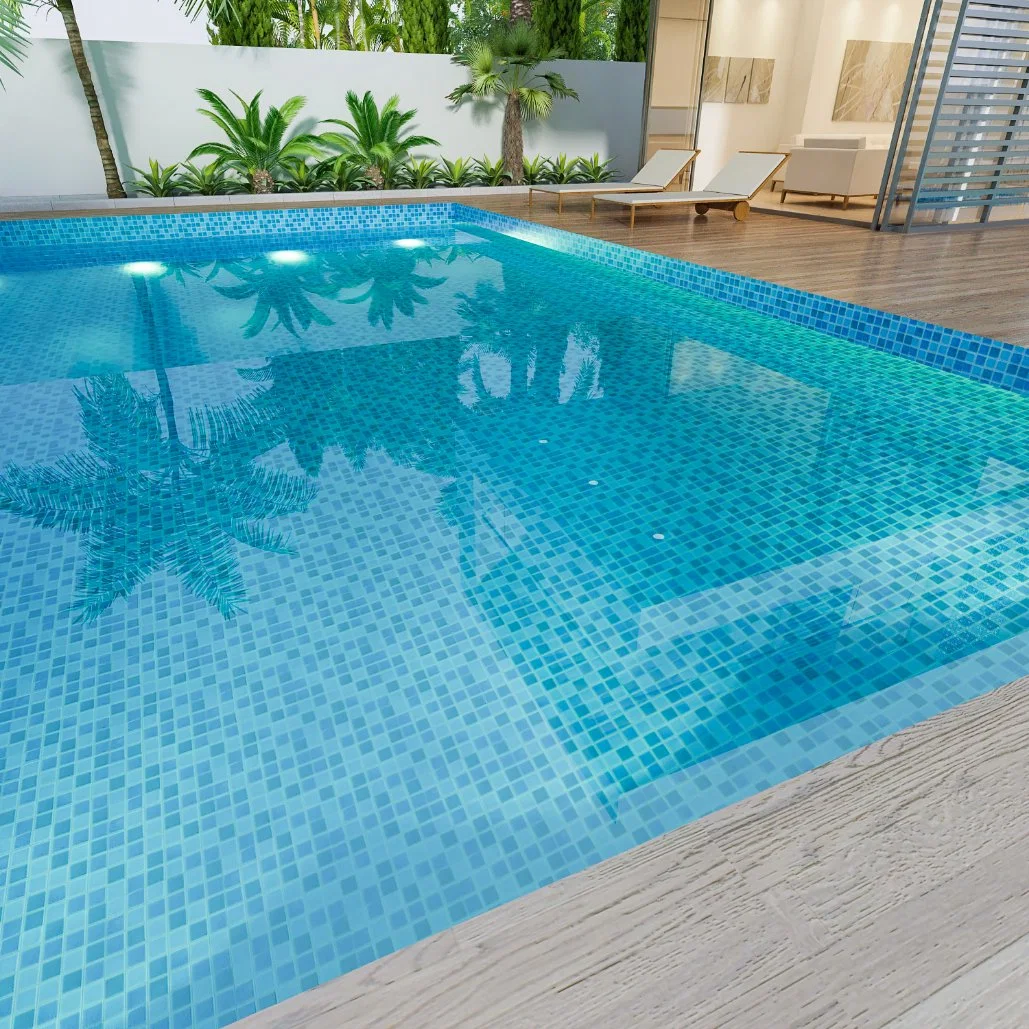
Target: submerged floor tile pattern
x,y
347,593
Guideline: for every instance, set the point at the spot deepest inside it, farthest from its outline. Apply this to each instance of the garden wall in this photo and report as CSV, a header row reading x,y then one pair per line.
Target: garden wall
x,y
148,91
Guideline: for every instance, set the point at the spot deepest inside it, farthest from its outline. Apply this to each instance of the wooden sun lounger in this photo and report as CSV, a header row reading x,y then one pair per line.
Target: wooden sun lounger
x,y
747,173
664,168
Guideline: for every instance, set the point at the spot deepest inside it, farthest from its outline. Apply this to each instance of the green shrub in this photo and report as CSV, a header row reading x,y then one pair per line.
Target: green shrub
x,y
459,172
491,173
301,177
564,169
593,169
422,174
157,182
211,180
535,171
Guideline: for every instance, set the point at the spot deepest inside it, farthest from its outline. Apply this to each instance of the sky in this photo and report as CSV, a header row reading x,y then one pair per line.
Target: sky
x,y
140,21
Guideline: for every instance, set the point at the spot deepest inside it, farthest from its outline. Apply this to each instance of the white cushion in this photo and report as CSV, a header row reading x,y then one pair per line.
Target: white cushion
x,y
664,166
745,174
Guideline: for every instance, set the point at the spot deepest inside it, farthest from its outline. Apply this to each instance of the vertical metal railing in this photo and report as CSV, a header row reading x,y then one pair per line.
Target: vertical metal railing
x,y
961,148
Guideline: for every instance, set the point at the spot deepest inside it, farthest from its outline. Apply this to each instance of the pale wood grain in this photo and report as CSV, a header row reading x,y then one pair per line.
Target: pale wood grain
x,y
994,994
890,884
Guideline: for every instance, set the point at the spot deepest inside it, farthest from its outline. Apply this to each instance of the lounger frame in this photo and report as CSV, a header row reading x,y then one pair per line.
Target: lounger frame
x,y
608,187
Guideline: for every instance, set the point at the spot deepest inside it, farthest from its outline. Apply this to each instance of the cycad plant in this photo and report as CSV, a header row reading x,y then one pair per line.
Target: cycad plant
x,y
257,147
157,181
505,67
343,175
378,140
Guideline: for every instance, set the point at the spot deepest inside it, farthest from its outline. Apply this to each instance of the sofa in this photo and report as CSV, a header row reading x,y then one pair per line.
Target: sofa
x,y
835,166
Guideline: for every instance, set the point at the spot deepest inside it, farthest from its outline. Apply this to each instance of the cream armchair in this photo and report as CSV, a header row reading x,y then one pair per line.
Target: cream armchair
x,y
835,167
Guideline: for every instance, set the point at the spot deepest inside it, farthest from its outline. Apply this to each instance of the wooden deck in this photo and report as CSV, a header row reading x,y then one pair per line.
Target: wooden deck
x,y
888,888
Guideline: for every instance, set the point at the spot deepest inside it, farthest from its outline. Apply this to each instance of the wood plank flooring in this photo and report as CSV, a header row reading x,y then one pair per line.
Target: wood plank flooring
x,y
889,888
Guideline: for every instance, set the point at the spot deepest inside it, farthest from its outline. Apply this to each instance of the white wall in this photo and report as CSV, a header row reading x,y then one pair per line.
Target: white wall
x,y
748,28
807,38
138,21
151,104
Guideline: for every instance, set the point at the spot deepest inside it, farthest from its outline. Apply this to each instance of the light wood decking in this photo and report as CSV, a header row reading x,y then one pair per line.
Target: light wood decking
x,y
888,888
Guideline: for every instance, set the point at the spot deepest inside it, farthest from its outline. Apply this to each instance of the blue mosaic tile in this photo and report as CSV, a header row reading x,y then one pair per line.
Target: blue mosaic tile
x,y
355,580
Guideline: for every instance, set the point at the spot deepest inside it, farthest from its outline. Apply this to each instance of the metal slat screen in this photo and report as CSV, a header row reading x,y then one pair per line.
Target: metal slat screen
x,y
961,146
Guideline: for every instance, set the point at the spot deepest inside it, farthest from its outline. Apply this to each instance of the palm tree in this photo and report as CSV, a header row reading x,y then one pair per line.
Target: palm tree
x,y
504,66
376,139
14,44
256,147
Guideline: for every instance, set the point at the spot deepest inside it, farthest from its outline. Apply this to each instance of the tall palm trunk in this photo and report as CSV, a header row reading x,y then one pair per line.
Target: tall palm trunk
x,y
512,145
103,141
316,25
521,9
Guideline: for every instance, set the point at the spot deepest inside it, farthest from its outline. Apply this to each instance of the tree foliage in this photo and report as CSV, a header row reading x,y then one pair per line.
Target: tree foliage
x,y
250,23
559,25
631,30
424,26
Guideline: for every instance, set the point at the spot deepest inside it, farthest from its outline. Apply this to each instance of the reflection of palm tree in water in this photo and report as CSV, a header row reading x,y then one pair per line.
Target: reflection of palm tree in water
x,y
282,289
142,498
388,277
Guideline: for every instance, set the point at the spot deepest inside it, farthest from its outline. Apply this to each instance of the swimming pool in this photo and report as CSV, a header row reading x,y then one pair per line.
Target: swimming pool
x,y
364,569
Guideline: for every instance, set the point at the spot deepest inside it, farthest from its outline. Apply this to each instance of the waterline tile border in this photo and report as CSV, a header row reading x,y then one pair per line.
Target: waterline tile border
x,y
986,360
30,242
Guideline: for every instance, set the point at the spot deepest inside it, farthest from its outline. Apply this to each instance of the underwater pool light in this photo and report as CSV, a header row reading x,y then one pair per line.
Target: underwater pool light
x,y
288,256
409,244
144,268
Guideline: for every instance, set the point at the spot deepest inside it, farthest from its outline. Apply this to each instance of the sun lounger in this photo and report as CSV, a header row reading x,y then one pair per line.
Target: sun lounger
x,y
655,176
731,189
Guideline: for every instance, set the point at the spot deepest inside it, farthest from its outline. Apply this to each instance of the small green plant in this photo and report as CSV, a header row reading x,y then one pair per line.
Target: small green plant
x,y
211,180
157,182
422,174
457,173
564,169
535,170
491,173
593,169
342,175
301,177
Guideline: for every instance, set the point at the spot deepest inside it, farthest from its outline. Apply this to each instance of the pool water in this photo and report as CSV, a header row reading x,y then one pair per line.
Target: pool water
x,y
348,591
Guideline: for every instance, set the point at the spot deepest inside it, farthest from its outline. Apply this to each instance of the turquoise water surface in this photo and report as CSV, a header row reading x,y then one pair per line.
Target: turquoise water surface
x,y
348,592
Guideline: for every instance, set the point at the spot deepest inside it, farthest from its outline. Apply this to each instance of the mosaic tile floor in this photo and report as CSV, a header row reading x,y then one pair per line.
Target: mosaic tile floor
x,y
346,592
